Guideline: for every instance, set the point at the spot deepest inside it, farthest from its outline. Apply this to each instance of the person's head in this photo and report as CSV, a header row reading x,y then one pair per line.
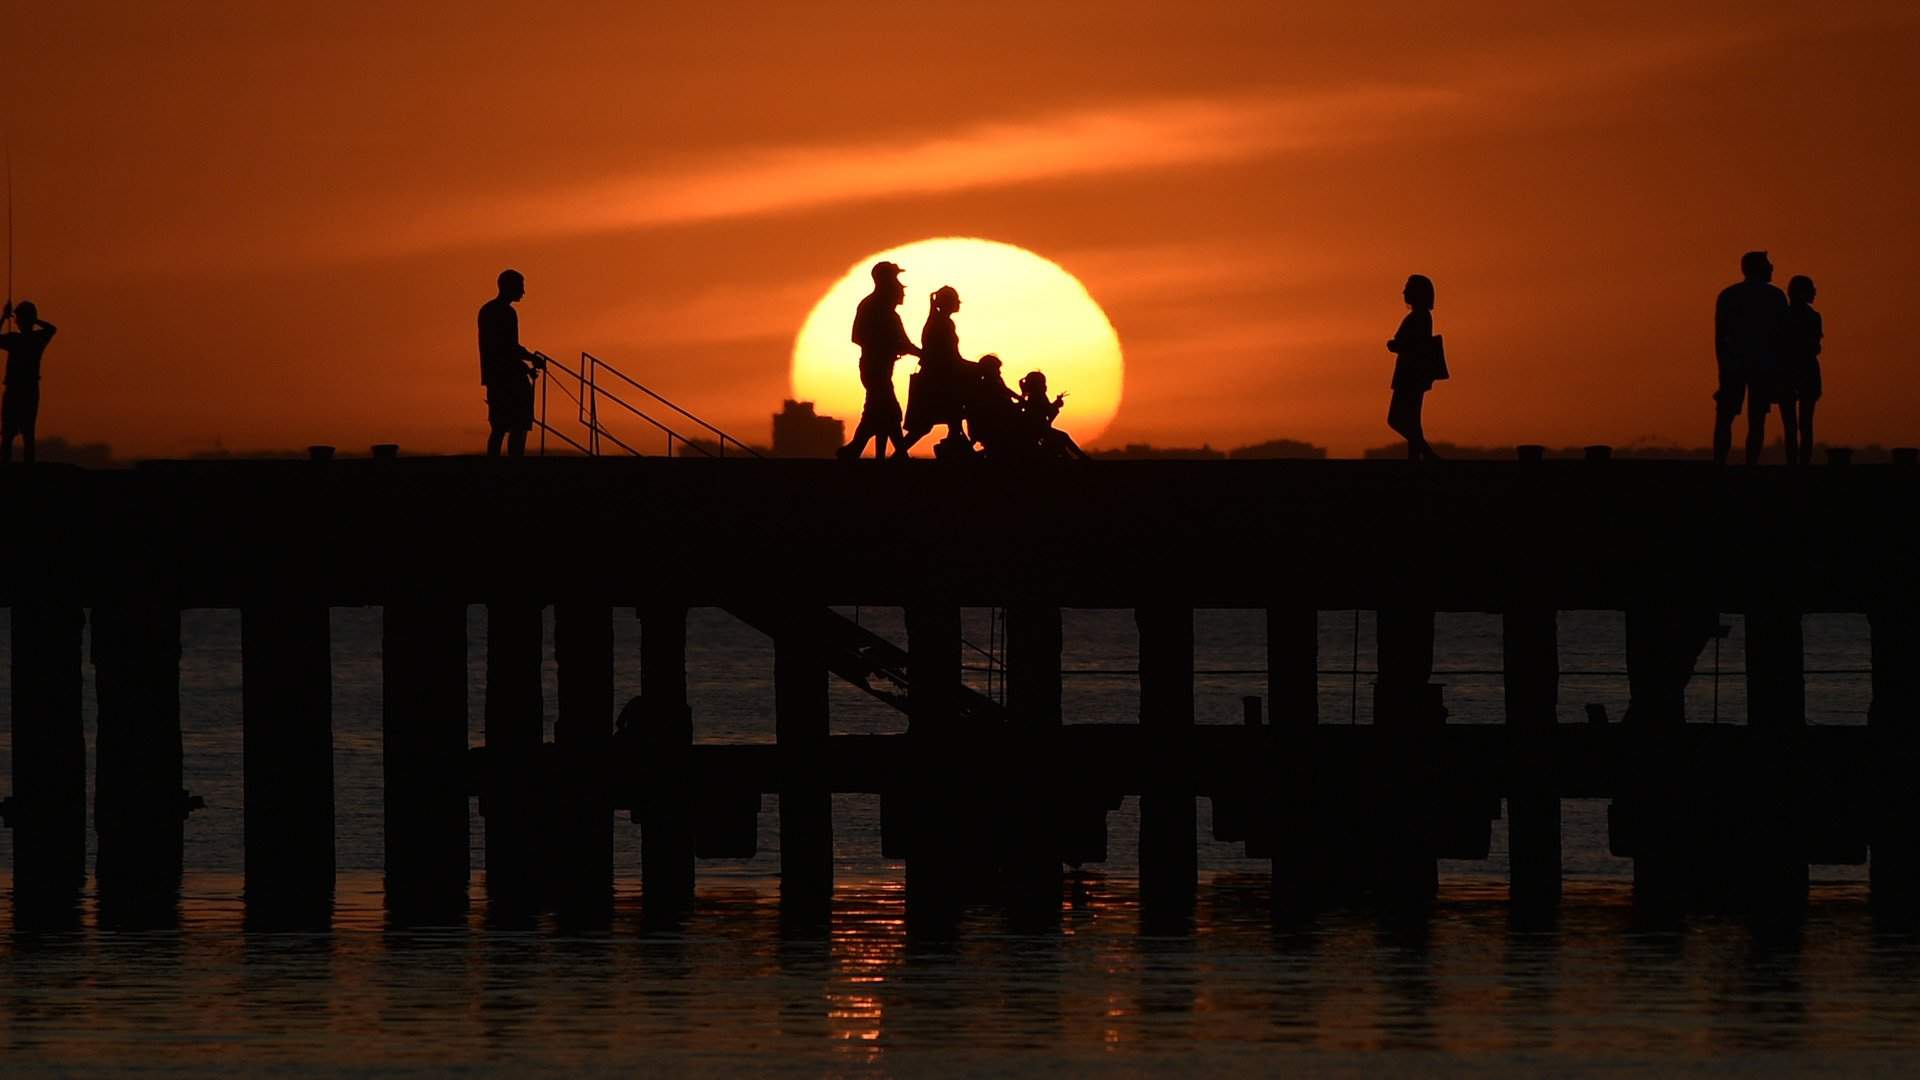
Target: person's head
x,y
1800,290
886,281
26,313
512,285
1755,266
1419,292
991,363
945,300
1034,384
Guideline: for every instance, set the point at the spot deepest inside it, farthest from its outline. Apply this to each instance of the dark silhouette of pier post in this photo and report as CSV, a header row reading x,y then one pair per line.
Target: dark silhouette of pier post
x,y
582,736
1031,816
48,810
423,748
666,738
1169,857
1407,704
287,722
1301,861
943,834
806,806
514,803
140,801
1772,835
1663,644
1531,650
1893,721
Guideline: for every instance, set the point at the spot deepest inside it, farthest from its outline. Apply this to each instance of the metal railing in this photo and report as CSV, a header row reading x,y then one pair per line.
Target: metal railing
x,y
587,391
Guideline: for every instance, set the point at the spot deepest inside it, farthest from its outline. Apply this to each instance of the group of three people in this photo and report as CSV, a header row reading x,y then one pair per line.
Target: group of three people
x,y
970,397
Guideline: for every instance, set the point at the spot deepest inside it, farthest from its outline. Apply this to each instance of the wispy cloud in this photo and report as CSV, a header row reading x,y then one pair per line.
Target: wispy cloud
x,y
1155,135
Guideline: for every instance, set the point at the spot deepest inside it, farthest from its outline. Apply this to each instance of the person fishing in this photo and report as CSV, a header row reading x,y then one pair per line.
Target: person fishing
x,y
507,368
933,394
25,345
883,341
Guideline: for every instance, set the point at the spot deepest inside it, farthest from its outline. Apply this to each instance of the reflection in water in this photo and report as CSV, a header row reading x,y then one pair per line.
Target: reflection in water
x,y
736,988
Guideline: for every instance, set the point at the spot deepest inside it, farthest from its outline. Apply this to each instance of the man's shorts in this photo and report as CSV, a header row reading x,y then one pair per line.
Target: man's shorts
x,y
1737,387
18,407
510,404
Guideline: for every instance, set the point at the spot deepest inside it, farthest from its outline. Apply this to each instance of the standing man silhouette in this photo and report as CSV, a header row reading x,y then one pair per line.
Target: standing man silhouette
x,y
506,368
883,341
20,406
1747,321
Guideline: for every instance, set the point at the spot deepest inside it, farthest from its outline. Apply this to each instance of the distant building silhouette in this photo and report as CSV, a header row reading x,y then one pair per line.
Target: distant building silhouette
x,y
1147,452
798,431
1278,448
97,455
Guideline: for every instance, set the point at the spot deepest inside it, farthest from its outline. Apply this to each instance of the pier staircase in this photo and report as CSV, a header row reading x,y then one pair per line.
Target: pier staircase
x,y
867,660
599,390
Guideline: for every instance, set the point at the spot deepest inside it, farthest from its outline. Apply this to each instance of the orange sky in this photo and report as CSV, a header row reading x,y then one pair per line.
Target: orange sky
x,y
266,228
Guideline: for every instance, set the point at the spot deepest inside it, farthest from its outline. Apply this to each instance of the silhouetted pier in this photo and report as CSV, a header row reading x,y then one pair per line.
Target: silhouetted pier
x,y
982,798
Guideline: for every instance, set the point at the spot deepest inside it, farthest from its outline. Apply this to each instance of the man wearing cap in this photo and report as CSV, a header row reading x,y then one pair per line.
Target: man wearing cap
x,y
506,368
1746,339
882,340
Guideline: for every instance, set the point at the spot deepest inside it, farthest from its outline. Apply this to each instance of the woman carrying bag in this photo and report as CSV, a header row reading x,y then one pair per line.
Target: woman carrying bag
x,y
1420,360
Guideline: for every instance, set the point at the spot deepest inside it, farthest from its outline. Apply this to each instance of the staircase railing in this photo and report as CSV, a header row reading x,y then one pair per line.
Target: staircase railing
x,y
595,381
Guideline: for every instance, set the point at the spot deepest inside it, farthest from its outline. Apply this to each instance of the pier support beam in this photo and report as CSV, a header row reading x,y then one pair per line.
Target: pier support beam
x,y
1532,661
1894,721
1032,825
423,742
1169,856
287,733
800,722
1302,856
1649,819
1769,818
580,788
49,808
942,843
1406,705
515,730
666,735
140,800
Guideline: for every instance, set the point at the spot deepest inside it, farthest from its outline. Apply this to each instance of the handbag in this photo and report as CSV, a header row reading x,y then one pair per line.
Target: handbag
x,y
1437,359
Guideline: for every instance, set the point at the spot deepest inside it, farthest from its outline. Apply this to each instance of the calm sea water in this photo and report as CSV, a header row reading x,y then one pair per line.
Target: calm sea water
x,y
729,991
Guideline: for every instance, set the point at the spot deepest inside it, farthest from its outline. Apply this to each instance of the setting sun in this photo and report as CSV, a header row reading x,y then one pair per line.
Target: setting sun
x,y
1026,309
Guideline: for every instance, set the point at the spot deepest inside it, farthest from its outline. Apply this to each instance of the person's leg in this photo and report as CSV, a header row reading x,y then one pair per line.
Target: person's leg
x,y
1790,430
517,443
493,441
1756,427
913,435
861,434
1726,406
1399,423
26,441
1806,431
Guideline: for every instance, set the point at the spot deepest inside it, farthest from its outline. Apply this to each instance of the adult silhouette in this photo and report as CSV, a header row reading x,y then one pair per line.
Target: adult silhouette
x,y
20,406
1800,335
1746,328
507,369
883,341
1414,367
933,394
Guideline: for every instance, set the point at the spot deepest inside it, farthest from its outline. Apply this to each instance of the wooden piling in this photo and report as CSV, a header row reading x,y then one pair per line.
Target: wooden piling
x,y
1406,872
515,728
800,720
666,734
287,735
423,759
1769,832
579,788
1033,818
944,825
1649,820
1532,661
1893,719
49,808
1169,856
1294,831
140,799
